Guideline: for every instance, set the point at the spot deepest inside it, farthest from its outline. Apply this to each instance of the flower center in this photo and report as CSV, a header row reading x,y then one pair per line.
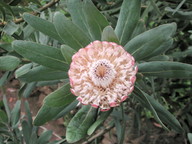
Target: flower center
x,y
102,73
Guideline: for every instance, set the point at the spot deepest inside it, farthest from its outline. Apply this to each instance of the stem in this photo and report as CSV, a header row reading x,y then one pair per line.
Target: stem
x,y
48,5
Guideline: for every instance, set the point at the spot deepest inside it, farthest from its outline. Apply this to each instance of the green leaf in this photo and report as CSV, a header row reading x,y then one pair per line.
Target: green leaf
x,y
7,7
15,114
41,54
103,116
26,129
67,52
166,69
189,135
160,113
71,34
159,58
152,42
10,28
80,123
28,113
86,16
42,25
76,11
44,137
183,15
142,97
128,18
47,113
139,28
6,46
9,63
109,35
60,97
23,70
27,89
7,109
33,138
53,104
41,73
3,117
5,78
67,109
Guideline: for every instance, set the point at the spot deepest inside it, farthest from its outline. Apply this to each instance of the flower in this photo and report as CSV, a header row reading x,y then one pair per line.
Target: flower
x,y
102,74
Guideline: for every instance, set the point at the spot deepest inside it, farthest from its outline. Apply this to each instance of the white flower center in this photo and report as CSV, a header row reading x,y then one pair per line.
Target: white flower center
x,y
102,73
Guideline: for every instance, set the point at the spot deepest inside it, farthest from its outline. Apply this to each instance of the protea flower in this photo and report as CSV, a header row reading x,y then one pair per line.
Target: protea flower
x,y
102,74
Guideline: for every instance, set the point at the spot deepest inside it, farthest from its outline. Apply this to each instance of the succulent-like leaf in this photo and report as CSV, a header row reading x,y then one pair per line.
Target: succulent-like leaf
x,y
128,18
9,63
53,104
42,25
41,54
80,123
166,69
41,73
152,42
109,35
71,34
87,17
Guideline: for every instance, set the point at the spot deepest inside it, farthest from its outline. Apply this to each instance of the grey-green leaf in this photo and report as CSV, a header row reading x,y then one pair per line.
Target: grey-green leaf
x,y
46,113
87,17
44,137
80,123
67,52
71,34
152,42
128,18
166,69
189,135
41,54
103,116
41,73
9,63
53,104
60,97
109,35
161,113
15,114
42,25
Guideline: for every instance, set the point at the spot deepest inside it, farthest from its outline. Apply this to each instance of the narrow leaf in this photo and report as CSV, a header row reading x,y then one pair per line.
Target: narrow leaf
x,y
41,73
42,25
9,63
60,97
67,52
152,42
109,35
103,116
87,16
128,18
46,113
160,113
41,54
15,114
166,69
69,32
44,137
80,123
53,104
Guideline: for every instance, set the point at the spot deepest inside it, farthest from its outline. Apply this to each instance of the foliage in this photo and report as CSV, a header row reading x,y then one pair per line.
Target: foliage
x,y
39,50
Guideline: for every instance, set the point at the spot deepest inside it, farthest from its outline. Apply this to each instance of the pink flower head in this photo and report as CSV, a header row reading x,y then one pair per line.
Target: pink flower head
x,y
102,74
